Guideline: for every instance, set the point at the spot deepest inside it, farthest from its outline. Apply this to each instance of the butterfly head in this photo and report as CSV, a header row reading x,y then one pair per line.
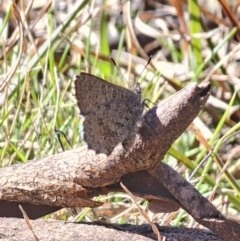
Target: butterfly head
x,y
137,90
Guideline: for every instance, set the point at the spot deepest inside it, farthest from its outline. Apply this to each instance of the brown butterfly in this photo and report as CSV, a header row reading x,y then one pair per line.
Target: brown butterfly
x,y
112,113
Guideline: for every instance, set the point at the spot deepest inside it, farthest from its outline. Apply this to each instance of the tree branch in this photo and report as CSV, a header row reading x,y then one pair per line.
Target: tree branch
x,y
71,178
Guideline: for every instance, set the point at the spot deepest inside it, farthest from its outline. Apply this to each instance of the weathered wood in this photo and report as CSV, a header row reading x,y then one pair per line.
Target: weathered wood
x,y
140,183
195,204
16,229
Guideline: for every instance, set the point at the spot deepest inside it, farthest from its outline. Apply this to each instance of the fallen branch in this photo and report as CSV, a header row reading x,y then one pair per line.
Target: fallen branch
x,y
71,178
63,179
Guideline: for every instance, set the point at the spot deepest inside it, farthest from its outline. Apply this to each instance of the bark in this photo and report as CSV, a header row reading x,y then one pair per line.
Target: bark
x,y
195,204
12,229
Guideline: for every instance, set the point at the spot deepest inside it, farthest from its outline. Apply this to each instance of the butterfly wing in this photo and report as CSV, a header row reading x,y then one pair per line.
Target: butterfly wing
x,y
91,92
111,124
111,113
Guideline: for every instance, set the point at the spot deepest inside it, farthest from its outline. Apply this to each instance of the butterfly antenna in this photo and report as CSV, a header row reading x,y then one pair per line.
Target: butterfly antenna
x,y
114,63
149,60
